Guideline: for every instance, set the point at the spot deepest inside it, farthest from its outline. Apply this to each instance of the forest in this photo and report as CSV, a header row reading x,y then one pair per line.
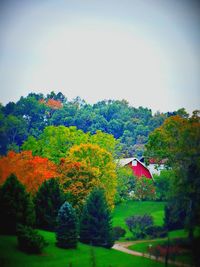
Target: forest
x,y
30,115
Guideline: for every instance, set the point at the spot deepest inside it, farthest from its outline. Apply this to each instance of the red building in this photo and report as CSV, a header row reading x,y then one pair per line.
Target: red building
x,y
139,169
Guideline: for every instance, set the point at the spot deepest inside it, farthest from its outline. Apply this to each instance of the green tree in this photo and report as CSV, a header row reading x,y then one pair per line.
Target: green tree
x,y
48,201
177,140
95,225
16,206
67,229
163,183
125,183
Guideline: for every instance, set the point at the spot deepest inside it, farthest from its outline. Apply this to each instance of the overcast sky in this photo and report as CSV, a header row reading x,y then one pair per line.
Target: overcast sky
x,y
144,51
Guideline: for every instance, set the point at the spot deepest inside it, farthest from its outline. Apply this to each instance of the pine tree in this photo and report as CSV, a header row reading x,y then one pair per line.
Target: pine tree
x,y
48,201
67,228
95,225
16,206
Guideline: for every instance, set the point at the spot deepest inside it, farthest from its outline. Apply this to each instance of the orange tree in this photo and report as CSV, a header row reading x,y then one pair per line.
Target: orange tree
x,y
31,170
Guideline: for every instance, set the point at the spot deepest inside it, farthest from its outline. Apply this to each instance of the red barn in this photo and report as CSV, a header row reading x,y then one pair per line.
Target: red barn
x,y
139,169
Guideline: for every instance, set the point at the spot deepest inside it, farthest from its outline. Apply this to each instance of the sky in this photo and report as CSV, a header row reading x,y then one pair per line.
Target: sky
x,y
144,51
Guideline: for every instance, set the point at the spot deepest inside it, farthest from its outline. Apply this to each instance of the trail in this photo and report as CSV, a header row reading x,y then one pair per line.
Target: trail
x,y
122,246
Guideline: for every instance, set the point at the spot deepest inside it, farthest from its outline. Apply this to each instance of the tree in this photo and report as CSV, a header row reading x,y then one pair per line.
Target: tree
x,y
31,170
78,179
163,183
125,183
144,189
96,157
67,229
48,201
16,206
95,225
177,140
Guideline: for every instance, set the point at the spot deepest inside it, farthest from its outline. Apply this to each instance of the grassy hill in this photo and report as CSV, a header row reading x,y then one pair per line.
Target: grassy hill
x,y
128,208
52,256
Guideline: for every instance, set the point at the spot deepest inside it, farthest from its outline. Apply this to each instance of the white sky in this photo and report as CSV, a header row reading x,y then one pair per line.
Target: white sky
x,y
144,51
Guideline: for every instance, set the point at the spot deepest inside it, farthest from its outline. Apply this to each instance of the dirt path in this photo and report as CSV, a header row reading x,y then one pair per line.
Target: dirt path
x,y
122,246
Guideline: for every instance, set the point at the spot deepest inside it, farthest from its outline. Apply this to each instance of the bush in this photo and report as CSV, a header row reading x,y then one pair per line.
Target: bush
x,y
156,231
138,224
67,228
144,189
29,240
118,232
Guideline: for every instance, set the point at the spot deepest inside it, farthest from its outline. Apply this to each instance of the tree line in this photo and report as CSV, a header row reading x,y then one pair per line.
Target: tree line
x,y
30,115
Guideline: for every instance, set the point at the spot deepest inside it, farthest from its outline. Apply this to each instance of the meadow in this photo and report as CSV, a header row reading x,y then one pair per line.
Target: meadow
x,y
84,255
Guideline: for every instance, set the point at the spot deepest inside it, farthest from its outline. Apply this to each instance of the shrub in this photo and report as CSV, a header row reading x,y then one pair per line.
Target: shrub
x,y
67,228
156,231
144,189
95,226
29,240
138,224
48,201
118,232
16,206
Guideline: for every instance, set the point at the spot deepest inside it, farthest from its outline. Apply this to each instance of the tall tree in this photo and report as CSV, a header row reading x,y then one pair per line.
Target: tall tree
x,y
95,225
48,201
16,206
102,160
178,141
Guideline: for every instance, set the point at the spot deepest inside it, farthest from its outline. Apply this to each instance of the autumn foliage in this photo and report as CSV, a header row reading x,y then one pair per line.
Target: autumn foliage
x,y
31,170
77,180
52,103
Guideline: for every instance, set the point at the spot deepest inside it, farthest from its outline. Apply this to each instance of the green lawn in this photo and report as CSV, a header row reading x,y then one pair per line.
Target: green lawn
x,y
128,208
10,256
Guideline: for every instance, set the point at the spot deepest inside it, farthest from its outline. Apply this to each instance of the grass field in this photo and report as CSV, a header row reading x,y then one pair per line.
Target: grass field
x,y
126,209
10,256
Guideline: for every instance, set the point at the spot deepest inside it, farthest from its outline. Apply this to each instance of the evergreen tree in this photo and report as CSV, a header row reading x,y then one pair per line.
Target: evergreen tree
x,y
95,226
67,229
16,206
48,201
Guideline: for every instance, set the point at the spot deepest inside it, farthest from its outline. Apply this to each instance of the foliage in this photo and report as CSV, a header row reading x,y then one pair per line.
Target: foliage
x,y
144,189
31,170
156,231
175,215
15,206
67,228
101,160
29,240
125,183
48,201
177,140
95,224
163,184
138,224
35,112
77,179
118,232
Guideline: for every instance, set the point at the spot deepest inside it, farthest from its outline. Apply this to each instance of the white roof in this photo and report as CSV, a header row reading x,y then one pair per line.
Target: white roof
x,y
123,162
